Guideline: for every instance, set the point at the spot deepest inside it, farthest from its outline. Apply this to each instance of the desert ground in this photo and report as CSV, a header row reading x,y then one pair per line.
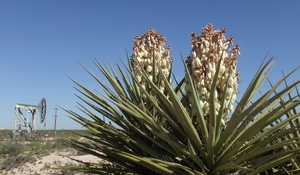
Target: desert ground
x,y
40,156
48,164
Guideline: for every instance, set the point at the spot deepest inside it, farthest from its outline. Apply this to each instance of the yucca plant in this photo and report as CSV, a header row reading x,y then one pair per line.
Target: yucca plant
x,y
190,126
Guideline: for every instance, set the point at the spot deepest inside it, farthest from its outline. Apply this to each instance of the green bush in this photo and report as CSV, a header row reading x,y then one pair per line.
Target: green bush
x,y
11,148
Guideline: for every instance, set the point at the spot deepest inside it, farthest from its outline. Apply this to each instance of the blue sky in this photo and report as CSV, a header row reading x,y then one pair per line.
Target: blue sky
x,y
42,42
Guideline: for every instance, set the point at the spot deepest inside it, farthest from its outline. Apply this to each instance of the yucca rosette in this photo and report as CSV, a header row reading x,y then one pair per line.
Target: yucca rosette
x,y
208,50
186,129
150,52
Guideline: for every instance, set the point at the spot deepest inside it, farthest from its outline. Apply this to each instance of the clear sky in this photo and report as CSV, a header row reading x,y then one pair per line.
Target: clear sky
x,y
43,42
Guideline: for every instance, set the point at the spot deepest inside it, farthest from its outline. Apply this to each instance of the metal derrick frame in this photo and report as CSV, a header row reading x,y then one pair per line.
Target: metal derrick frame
x,y
30,125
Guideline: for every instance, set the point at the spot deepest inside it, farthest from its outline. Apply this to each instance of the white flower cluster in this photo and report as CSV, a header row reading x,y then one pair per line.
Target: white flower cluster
x,y
149,49
208,49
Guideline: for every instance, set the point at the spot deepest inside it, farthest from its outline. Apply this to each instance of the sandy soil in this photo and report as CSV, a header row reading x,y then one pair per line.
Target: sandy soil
x,y
47,164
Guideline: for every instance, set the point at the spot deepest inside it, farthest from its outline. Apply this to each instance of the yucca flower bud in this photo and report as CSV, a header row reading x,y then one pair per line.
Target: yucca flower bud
x,y
208,49
149,49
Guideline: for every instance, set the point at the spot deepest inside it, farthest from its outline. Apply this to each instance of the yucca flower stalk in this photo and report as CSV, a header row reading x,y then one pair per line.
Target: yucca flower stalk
x,y
150,52
155,133
208,50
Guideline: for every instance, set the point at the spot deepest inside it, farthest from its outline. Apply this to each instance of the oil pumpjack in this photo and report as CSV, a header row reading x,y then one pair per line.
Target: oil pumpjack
x,y
23,121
